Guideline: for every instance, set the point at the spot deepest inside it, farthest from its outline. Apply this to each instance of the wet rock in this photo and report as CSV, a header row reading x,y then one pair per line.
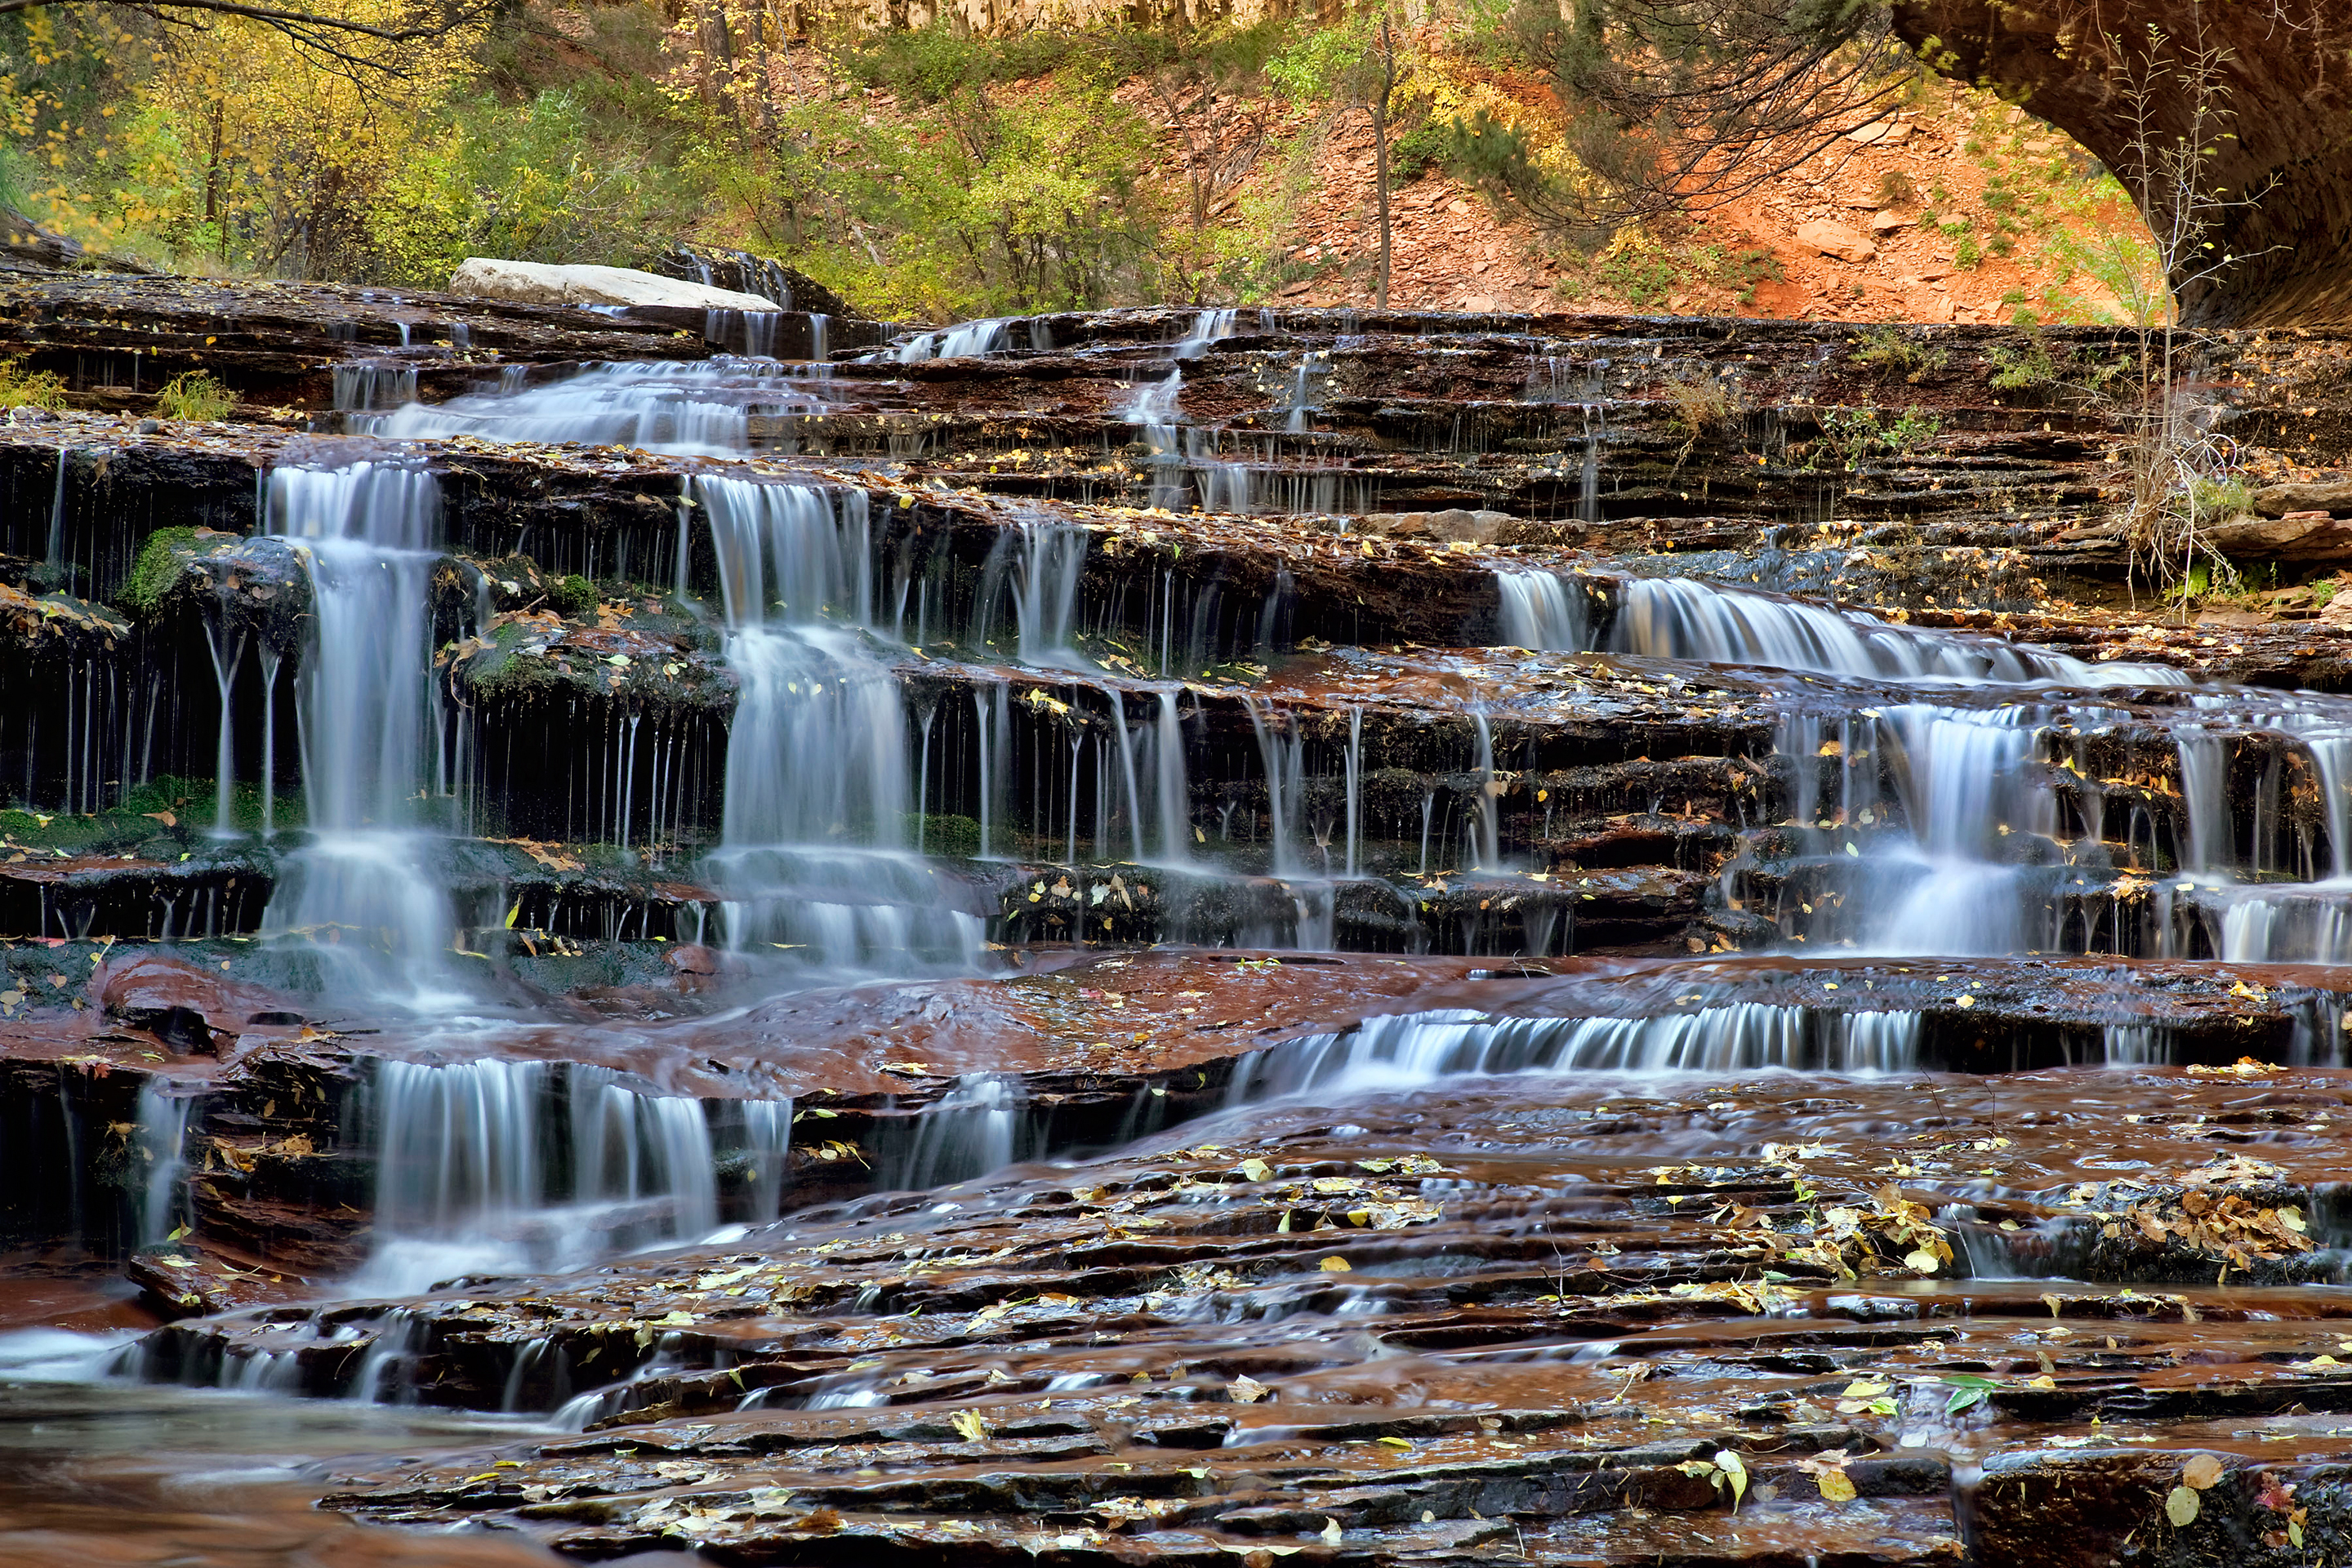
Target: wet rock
x,y
540,283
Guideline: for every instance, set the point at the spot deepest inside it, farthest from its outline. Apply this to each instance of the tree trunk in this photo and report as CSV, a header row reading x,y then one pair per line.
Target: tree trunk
x,y
1380,153
2285,170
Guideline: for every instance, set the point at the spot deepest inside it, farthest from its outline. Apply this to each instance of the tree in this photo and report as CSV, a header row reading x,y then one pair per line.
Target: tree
x,y
234,139
1355,65
374,40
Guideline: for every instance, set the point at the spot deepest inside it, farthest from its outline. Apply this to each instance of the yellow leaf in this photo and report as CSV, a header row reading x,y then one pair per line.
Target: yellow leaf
x,y
970,1423
1836,1487
2201,1472
1335,1266
2181,1507
1256,1170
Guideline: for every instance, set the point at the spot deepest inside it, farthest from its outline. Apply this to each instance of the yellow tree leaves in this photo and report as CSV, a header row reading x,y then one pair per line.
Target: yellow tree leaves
x,y
227,142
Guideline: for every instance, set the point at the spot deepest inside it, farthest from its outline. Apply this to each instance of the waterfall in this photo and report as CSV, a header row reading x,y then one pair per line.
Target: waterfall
x,y
368,721
970,1131
1152,410
970,338
161,1138
1175,794
1405,1051
690,407
1206,328
1683,618
501,1165
817,779
2207,839
1039,565
1539,612
1281,752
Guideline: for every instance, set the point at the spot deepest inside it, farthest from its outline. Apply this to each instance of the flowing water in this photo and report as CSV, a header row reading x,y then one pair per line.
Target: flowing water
x,y
979,784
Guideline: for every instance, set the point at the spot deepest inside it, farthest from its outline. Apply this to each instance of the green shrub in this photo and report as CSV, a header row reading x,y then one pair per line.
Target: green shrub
x,y
194,395
2029,369
23,388
1967,256
1893,350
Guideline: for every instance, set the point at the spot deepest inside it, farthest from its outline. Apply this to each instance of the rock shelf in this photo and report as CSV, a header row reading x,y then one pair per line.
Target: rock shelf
x,y
1172,936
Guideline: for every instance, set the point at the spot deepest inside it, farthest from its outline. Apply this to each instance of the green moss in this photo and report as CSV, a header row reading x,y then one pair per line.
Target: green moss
x,y
154,573
943,835
574,597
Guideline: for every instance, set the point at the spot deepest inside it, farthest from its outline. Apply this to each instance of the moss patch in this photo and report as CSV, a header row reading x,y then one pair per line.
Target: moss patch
x,y
155,573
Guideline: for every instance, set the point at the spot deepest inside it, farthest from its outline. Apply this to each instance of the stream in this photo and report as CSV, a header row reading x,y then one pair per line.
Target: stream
x,y
1154,937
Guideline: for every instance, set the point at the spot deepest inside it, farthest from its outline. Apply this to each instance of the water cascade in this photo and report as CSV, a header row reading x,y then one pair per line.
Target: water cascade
x,y
921,965
813,845
370,726
500,1164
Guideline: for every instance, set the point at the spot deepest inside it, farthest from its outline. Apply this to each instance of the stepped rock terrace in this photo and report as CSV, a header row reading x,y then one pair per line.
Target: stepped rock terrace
x,y
1166,936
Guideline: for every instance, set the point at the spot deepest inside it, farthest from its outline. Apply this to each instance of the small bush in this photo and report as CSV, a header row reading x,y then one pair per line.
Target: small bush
x,y
22,388
2218,500
2029,369
1893,350
1704,402
572,597
1897,189
194,395
1967,256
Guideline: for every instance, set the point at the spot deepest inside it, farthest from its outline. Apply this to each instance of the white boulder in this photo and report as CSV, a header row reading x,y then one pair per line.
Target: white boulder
x,y
543,283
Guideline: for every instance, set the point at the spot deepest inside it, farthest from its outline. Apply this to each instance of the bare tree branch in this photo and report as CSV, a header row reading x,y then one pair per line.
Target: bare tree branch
x,y
348,42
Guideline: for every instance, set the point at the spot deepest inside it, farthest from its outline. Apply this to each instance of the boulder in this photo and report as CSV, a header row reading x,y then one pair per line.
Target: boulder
x,y
541,283
1835,240
2318,495
2304,536
1455,525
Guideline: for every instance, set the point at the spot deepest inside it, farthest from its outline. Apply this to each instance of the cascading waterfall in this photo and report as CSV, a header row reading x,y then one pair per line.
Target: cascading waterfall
x,y
1038,567
1206,328
162,1137
813,837
369,723
1406,1050
500,1165
1540,611
1683,618
689,407
1152,410
969,338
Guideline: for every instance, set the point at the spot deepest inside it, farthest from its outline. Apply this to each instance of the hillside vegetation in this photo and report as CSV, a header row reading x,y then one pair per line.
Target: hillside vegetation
x,y
931,173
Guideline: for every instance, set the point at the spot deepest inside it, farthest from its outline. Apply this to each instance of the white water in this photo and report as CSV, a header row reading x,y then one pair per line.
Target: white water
x,y
1405,1051
1683,618
815,850
368,725
501,1166
694,407
959,341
